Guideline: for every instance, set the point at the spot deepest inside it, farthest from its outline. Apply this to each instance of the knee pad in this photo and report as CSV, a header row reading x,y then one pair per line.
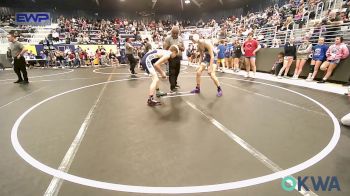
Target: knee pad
x,y
312,68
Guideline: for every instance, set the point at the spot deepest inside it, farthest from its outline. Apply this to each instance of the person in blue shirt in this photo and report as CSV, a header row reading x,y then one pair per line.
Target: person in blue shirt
x,y
228,55
43,55
221,55
43,62
318,56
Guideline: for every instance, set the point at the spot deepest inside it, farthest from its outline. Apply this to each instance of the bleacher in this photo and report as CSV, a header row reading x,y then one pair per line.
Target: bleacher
x,y
34,35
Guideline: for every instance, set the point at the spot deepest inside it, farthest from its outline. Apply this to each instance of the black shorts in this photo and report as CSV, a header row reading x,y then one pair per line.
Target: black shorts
x,y
236,55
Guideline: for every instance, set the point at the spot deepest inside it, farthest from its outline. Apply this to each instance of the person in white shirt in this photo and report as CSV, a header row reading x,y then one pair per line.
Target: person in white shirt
x,y
86,39
55,36
90,55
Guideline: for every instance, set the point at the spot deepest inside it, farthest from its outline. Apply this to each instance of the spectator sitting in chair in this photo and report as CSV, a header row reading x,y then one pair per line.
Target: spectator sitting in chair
x,y
278,64
80,39
113,58
55,36
276,43
60,61
30,56
71,59
43,56
288,24
77,60
346,5
344,17
86,39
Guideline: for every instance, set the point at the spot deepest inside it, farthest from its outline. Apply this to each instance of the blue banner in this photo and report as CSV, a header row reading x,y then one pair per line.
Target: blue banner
x,y
33,18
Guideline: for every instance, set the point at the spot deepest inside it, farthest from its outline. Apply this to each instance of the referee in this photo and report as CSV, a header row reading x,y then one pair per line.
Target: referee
x,y
175,63
129,51
19,63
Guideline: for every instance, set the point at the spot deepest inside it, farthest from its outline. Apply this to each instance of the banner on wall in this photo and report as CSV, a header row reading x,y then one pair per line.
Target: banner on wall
x,y
60,47
36,49
33,18
31,48
95,47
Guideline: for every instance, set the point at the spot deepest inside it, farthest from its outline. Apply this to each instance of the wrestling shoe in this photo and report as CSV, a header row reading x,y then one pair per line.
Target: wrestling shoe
x,y
196,91
219,94
152,103
18,81
160,94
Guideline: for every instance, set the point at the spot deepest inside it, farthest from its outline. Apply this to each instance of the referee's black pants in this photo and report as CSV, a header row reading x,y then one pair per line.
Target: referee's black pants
x,y
19,66
174,71
132,62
